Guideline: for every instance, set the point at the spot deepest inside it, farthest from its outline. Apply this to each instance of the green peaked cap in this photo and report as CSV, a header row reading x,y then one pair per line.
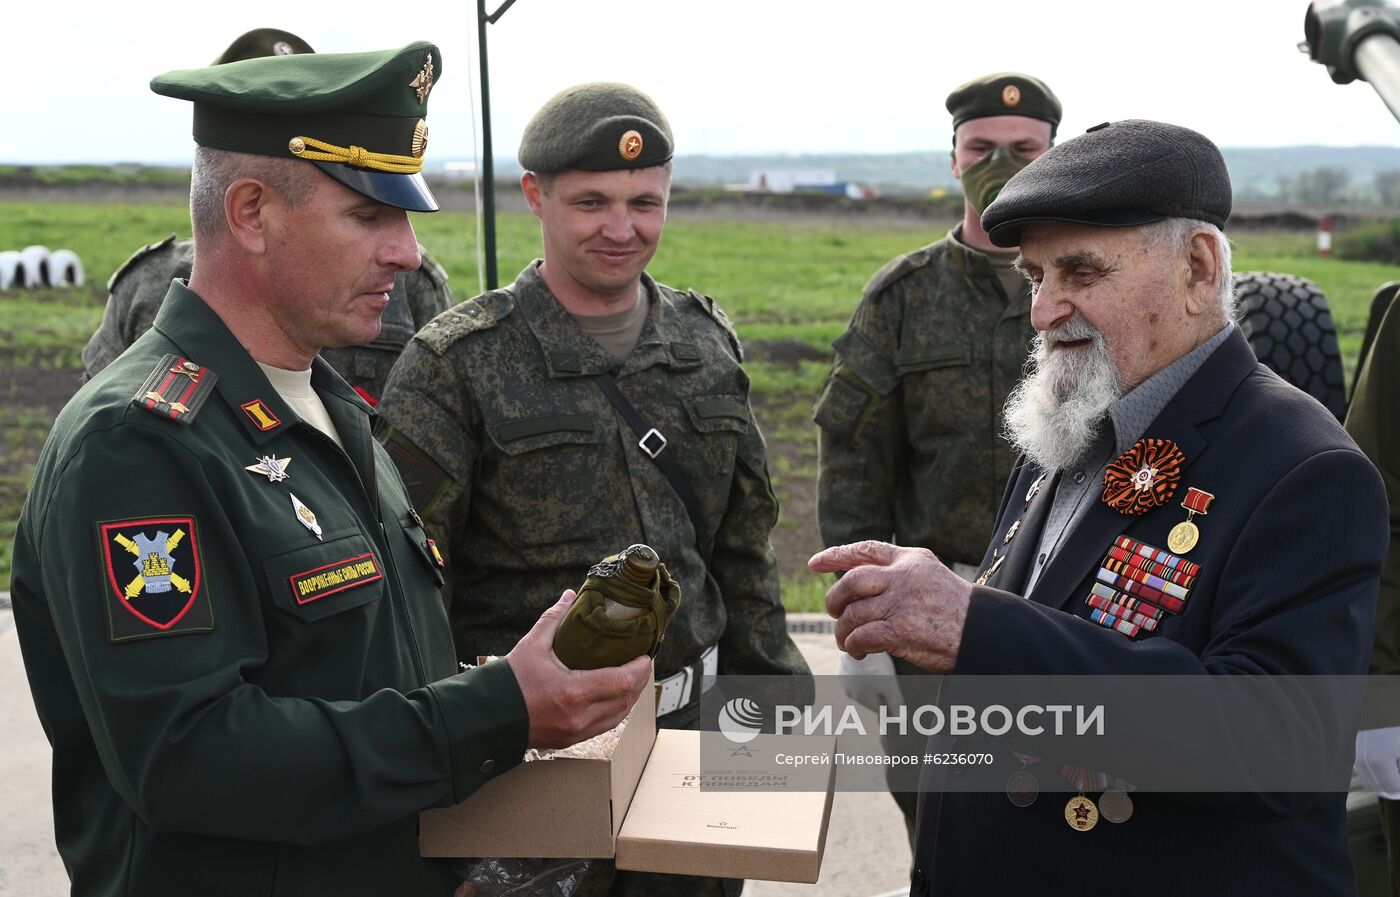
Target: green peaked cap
x,y
359,117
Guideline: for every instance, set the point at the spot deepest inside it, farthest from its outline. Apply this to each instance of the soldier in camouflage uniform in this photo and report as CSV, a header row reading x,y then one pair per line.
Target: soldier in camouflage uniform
x,y
911,450
137,288
530,472
135,291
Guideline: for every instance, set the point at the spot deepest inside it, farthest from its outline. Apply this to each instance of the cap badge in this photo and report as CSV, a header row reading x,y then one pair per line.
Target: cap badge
x,y
424,81
1011,96
420,139
630,146
282,48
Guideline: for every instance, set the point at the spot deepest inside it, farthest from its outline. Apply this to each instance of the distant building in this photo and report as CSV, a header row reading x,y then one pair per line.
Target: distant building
x,y
786,180
795,180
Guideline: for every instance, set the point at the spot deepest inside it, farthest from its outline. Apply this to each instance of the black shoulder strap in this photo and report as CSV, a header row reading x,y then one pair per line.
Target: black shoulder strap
x,y
651,441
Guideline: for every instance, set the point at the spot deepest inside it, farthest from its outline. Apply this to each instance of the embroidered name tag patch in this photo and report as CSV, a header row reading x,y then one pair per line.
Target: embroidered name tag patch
x,y
154,578
335,577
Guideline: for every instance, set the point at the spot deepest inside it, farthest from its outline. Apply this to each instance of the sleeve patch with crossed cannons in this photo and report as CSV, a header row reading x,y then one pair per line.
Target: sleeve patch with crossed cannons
x,y
153,572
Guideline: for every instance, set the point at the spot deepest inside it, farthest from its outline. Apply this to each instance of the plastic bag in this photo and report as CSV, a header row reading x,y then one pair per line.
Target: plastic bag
x,y
502,877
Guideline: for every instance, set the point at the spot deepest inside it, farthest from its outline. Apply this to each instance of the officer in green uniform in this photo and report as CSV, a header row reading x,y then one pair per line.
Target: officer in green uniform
x,y
1373,421
585,407
911,450
136,289
228,611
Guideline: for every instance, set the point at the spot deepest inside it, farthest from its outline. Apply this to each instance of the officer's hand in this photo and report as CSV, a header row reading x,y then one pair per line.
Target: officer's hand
x,y
568,706
900,600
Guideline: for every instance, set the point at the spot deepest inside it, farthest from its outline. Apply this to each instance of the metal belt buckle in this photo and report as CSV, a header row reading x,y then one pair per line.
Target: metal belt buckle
x,y
652,438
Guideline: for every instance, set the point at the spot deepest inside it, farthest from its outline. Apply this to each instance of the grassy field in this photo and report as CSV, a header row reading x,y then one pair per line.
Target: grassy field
x,y
789,286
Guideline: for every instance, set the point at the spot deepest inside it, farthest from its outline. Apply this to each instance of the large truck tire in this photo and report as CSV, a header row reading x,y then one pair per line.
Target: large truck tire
x,y
1289,325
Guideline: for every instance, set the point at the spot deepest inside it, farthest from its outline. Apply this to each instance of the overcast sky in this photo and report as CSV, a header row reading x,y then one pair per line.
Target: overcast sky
x,y
761,76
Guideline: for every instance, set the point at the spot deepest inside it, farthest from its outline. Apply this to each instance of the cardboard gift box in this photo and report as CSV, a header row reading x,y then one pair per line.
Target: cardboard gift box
x,y
642,807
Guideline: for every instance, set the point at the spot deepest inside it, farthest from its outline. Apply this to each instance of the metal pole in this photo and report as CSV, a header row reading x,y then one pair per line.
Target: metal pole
x,y
1378,61
488,167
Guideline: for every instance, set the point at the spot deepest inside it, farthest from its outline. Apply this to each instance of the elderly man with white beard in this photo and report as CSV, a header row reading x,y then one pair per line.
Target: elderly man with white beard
x,y
1177,510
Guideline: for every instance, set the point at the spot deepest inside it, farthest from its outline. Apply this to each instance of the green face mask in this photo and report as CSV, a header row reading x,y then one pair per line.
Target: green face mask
x,y
983,181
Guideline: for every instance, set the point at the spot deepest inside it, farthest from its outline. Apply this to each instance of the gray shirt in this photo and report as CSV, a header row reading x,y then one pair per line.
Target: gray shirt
x,y
1128,420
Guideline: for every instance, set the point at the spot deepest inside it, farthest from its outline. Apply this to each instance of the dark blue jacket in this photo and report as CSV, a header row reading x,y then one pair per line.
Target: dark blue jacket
x,y
1290,556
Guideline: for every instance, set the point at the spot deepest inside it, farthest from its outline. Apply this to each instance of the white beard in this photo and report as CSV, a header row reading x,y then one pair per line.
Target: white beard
x,y
1053,415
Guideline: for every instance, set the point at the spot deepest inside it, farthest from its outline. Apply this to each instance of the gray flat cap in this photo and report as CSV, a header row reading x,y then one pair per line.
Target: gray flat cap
x,y
602,126
1117,174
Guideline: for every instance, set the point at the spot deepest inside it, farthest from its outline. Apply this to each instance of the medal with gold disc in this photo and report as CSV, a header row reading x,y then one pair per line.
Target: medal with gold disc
x,y
1186,534
1081,814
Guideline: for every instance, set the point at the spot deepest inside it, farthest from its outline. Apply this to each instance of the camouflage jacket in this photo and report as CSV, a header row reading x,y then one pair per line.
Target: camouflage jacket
x,y
910,416
135,292
523,468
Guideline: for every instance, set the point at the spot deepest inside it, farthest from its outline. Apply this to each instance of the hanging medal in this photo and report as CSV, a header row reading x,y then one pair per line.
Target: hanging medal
x,y
1022,789
1115,805
1185,534
1081,814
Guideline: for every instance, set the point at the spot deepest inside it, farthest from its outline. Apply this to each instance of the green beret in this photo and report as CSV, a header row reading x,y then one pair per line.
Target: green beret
x,y
1118,174
596,127
1004,93
263,42
359,117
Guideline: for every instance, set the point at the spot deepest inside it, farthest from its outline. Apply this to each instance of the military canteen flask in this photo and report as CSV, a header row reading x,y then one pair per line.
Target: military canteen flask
x,y
621,611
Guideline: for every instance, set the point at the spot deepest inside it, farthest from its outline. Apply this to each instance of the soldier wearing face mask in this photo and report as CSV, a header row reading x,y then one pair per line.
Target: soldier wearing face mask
x,y
911,450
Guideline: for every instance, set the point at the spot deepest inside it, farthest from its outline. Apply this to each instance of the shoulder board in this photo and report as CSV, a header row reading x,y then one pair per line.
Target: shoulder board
x,y
136,257
899,268
176,389
466,318
722,319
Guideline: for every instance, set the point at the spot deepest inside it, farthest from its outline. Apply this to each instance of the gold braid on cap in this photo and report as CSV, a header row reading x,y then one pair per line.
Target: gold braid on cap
x,y
356,156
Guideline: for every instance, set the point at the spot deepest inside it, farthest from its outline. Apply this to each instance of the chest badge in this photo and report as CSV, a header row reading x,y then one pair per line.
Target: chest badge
x,y
1144,477
306,516
1035,489
272,467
